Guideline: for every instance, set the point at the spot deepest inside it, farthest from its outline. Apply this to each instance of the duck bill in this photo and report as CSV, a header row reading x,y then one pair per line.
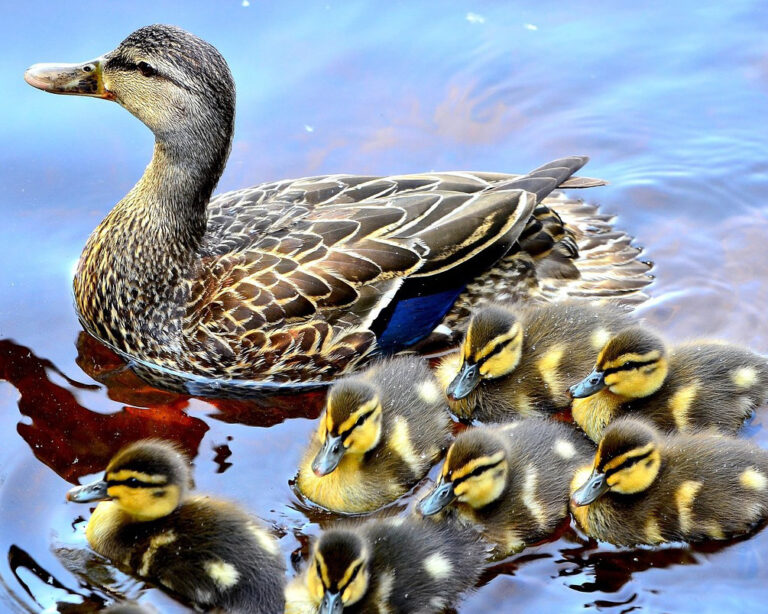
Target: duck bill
x,y
329,456
594,382
591,490
83,79
331,604
96,491
464,383
440,498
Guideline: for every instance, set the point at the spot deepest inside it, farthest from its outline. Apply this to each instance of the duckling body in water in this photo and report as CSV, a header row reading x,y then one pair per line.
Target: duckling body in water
x,y
518,361
510,482
209,552
697,385
645,487
399,565
381,432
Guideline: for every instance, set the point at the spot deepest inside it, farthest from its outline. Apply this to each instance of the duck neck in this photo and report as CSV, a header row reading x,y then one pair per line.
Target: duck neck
x,y
134,269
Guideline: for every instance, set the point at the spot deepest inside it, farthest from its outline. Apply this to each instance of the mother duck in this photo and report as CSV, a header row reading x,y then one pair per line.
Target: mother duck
x,y
300,280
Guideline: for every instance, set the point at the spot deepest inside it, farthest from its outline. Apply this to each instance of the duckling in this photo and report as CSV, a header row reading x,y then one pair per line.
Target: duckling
x,y
207,551
646,487
381,432
510,482
397,565
695,386
518,361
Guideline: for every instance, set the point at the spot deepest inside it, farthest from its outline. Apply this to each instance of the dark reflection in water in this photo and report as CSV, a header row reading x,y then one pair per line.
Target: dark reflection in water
x,y
668,99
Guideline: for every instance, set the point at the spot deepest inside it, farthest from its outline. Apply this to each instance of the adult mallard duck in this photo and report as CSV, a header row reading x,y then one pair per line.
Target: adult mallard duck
x,y
299,280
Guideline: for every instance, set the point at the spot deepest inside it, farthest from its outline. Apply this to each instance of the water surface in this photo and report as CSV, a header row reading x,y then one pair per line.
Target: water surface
x,y
669,99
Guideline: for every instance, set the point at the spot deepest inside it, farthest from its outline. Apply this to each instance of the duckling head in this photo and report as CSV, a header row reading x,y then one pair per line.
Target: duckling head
x,y
627,462
146,479
174,82
633,364
351,424
338,573
475,472
491,349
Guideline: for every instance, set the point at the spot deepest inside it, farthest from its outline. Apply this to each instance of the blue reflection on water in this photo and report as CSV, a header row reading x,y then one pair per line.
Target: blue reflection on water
x,y
669,99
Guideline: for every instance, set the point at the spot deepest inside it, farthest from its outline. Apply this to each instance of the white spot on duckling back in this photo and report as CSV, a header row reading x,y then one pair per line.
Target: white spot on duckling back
x,y
565,449
744,377
222,573
529,496
384,592
428,391
266,541
599,338
753,479
437,566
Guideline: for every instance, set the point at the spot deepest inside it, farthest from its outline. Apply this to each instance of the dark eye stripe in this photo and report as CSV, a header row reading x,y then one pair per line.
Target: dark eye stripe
x,y
477,471
352,576
135,483
632,364
497,349
362,418
629,462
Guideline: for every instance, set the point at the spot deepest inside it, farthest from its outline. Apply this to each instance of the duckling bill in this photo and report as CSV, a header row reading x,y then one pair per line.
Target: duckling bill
x,y
208,552
646,487
380,433
518,361
697,385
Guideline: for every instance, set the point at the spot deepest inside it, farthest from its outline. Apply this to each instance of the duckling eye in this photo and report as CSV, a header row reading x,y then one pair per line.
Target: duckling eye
x,y
361,419
146,69
133,482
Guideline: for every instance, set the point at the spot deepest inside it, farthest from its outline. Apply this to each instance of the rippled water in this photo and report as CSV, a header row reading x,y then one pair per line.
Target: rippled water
x,y
669,99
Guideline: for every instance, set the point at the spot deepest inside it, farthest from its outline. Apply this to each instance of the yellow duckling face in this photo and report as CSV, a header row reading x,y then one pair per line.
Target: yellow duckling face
x,y
351,424
627,462
491,349
475,472
632,365
146,479
338,574
155,74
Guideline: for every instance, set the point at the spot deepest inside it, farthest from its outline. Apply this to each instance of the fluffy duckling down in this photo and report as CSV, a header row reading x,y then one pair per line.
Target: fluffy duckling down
x,y
510,482
209,552
646,487
398,565
381,432
518,361
698,385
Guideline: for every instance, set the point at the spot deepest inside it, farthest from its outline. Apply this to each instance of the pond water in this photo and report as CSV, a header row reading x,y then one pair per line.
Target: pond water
x,y
669,99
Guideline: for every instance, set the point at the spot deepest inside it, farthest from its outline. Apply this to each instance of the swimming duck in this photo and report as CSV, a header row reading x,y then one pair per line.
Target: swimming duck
x,y
300,280
380,433
518,361
510,482
647,488
208,552
697,385
396,565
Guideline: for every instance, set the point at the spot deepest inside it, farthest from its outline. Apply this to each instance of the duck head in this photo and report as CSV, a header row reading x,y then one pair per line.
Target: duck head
x,y
627,462
338,573
491,349
633,364
351,424
475,472
147,480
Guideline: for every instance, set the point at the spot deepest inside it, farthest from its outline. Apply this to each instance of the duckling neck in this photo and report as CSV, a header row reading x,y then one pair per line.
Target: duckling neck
x,y
134,269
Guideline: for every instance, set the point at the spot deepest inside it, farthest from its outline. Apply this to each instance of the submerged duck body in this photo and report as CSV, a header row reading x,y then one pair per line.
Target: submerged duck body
x,y
207,551
693,386
401,566
518,361
511,483
381,432
300,280
648,488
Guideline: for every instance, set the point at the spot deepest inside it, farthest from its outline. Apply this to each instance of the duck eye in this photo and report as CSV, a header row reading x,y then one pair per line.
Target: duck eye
x,y
133,482
146,69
